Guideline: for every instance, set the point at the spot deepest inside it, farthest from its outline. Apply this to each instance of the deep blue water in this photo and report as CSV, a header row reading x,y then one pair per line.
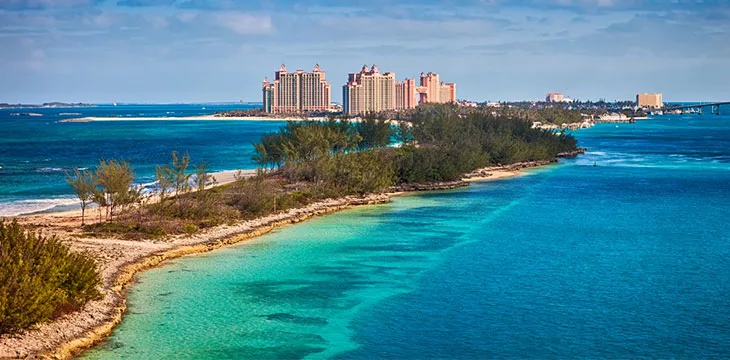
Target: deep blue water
x,y
37,151
621,253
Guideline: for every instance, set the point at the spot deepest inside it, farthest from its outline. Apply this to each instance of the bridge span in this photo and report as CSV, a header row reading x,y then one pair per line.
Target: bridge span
x,y
714,107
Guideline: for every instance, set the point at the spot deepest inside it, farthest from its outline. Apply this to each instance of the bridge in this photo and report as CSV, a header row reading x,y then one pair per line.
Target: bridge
x,y
714,107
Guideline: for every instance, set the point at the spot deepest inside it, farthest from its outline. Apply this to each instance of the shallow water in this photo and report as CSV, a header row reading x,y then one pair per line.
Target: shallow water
x,y
624,259
37,151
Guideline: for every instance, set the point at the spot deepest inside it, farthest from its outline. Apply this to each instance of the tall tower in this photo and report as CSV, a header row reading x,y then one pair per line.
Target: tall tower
x,y
447,93
268,90
405,94
432,86
298,91
369,91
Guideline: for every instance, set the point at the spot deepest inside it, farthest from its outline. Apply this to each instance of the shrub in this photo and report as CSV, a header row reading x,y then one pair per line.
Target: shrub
x,y
190,229
40,278
254,197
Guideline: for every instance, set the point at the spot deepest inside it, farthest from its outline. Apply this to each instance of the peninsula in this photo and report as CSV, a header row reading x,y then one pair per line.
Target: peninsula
x,y
44,105
307,169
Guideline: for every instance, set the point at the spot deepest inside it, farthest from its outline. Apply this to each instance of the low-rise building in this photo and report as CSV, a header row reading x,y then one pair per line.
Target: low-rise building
x,y
649,101
554,97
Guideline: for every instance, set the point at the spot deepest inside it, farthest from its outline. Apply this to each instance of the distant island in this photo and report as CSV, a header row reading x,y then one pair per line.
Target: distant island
x,y
44,105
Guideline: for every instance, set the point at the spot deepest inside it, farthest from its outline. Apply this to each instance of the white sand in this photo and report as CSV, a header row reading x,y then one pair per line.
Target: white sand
x,y
189,118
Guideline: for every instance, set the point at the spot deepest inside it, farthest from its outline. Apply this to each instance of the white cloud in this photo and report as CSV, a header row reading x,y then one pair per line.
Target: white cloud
x,y
244,23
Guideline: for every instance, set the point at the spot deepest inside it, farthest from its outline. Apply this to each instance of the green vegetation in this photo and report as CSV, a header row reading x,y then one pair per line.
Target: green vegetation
x,y
550,115
84,186
313,160
113,181
438,143
40,278
557,114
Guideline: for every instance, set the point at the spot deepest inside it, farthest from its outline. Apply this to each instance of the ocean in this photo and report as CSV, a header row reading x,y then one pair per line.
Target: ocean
x,y
620,253
37,151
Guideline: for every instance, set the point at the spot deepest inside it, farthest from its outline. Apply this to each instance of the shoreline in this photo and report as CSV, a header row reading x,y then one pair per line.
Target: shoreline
x,y
206,118
121,260
221,178
188,118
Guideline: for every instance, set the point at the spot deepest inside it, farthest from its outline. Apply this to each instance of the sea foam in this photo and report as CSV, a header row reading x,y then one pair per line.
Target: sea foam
x,y
23,207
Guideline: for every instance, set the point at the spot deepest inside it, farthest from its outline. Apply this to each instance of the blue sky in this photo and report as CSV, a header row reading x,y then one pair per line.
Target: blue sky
x,y
220,50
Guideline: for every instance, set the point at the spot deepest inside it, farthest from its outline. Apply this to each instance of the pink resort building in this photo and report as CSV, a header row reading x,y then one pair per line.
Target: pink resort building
x,y
297,91
369,91
554,97
430,90
372,91
405,94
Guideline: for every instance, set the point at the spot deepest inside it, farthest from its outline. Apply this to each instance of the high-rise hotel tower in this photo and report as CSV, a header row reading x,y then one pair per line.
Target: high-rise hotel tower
x,y
434,91
373,91
369,91
298,91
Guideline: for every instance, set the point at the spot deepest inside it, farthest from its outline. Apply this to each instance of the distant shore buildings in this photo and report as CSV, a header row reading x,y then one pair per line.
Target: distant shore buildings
x,y
366,91
557,98
649,101
298,91
554,97
432,90
373,91
369,91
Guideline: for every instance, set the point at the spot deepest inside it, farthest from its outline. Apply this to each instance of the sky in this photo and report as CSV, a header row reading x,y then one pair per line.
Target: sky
x,y
176,51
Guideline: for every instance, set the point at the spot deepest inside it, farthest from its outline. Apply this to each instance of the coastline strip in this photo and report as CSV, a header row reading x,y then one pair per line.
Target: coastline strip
x,y
221,178
187,118
125,277
206,118
118,279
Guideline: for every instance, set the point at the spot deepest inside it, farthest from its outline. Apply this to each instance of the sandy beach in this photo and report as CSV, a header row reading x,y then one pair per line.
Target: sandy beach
x,y
120,260
189,118
204,118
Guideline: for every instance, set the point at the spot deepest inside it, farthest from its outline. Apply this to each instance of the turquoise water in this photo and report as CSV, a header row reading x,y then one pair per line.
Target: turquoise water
x,y
624,259
37,151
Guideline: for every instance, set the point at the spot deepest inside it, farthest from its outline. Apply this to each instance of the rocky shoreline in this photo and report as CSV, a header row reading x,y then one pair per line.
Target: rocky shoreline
x,y
572,154
121,260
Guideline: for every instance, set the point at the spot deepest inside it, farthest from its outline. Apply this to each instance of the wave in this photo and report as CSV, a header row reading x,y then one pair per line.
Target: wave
x,y
23,207
49,169
69,113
